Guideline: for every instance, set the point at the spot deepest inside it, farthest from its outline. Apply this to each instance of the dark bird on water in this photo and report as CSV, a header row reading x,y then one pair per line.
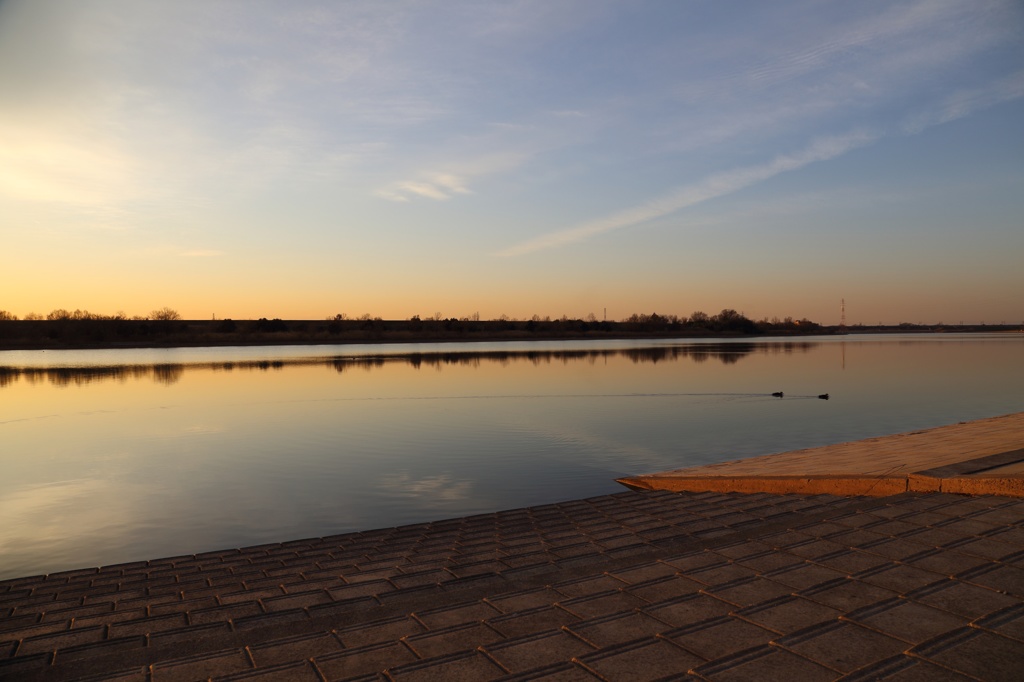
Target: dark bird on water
x,y
777,394
823,396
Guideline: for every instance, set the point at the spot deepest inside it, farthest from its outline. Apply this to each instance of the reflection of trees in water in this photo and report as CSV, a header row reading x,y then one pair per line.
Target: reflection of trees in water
x,y
169,374
166,374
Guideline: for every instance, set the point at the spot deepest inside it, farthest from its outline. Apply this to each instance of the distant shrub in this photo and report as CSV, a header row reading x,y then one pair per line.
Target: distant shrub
x,y
274,325
166,314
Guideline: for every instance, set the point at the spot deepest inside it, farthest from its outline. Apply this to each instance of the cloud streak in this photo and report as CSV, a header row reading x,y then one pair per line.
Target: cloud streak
x,y
717,185
957,106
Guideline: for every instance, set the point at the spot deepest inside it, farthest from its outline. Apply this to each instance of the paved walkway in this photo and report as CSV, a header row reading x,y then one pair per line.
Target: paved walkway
x,y
641,585
985,456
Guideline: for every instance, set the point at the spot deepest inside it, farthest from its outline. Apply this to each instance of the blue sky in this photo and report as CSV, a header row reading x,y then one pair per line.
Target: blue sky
x,y
296,160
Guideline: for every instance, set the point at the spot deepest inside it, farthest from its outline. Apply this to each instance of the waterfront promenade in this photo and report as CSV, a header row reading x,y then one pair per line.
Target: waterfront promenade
x,y
899,580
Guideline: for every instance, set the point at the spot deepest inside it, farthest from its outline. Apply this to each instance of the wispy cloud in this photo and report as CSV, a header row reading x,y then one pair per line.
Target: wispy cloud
x,y
443,185
965,102
956,106
717,185
440,186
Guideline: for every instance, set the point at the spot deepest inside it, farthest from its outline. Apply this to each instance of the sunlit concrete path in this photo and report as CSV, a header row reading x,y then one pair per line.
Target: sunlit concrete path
x,y
642,585
985,456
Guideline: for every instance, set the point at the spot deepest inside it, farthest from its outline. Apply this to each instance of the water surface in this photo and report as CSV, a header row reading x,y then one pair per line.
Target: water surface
x,y
120,455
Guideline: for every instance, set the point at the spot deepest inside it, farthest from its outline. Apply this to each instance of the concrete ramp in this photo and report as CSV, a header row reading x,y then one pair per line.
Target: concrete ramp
x,y
981,457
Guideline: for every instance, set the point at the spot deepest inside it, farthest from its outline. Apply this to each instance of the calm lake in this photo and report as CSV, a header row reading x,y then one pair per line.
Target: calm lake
x,y
110,456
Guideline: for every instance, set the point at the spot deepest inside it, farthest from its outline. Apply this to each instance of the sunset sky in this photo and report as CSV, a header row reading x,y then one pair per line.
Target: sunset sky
x,y
301,159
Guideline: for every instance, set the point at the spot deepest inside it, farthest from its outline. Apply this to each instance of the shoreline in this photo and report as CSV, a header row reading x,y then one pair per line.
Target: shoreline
x,y
126,334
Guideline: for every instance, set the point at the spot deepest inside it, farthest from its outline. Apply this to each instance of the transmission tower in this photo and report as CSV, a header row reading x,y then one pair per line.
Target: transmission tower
x,y
842,313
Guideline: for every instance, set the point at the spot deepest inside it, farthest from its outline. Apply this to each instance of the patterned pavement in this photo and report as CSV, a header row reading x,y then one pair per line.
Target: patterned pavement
x,y
851,562
642,585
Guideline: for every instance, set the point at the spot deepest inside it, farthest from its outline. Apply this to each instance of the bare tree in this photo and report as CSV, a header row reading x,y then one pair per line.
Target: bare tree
x,y
166,314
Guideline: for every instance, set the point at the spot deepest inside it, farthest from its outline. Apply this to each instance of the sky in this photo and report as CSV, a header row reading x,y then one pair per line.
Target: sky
x,y
554,157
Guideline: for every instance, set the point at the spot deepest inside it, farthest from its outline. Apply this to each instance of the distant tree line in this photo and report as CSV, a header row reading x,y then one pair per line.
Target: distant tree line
x,y
165,313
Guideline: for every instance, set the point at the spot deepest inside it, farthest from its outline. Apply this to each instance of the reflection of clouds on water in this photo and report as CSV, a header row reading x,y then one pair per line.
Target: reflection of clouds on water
x,y
56,514
626,456
440,491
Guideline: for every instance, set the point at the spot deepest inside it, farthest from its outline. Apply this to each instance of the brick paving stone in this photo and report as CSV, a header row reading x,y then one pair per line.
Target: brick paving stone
x,y
856,538
136,674
377,631
687,610
298,671
962,598
985,548
617,628
532,620
897,549
537,650
202,666
27,631
22,666
1008,622
904,668
41,643
295,601
277,619
846,594
662,589
589,585
90,650
841,646
935,536
720,574
601,604
907,620
1006,514
224,613
649,659
415,579
693,561
718,637
804,576
364,589
899,578
765,664
184,638
463,667
770,560
644,572
183,606
789,614
525,599
1013,535
749,591
850,561
363,660
815,548
299,647
248,596
895,527
451,640
981,654
945,562
457,614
